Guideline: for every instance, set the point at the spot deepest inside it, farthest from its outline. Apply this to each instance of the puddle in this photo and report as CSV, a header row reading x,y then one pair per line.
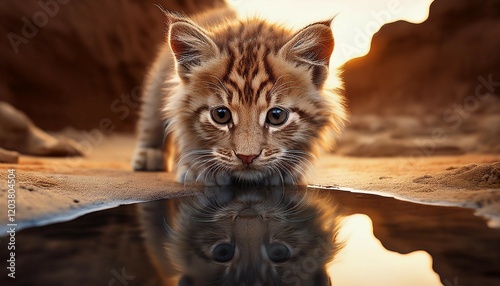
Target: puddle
x,y
262,237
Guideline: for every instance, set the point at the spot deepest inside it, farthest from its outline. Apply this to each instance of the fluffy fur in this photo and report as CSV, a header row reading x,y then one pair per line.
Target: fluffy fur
x,y
244,101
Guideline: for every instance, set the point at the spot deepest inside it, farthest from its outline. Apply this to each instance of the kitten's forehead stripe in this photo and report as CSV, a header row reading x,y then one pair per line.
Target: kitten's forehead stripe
x,y
267,66
247,92
259,91
255,71
230,65
268,97
247,60
248,70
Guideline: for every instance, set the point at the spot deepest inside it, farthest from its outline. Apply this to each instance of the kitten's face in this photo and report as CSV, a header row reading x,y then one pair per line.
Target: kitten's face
x,y
252,100
252,240
267,133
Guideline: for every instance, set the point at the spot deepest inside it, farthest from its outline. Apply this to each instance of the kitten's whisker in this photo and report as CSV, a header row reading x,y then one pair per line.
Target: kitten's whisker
x,y
211,171
198,162
276,86
287,165
296,164
281,176
271,172
299,158
282,87
194,152
285,168
197,154
282,90
212,86
222,85
210,165
300,152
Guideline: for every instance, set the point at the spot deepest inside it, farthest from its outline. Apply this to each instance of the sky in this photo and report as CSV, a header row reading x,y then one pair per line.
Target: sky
x,y
355,20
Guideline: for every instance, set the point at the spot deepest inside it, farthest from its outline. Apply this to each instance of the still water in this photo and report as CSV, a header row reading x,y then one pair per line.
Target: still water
x,y
297,236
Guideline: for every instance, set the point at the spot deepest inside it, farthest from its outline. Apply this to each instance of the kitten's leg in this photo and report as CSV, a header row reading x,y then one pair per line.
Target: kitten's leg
x,y
149,152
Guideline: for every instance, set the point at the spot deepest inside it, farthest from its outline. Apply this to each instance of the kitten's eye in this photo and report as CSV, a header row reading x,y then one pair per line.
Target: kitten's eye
x,y
277,252
221,115
276,116
223,252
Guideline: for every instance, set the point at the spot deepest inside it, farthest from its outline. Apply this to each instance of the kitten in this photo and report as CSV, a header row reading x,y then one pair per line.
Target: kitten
x,y
243,237
244,101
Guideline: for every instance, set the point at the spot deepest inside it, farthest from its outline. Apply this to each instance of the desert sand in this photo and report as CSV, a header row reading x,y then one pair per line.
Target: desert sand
x,y
51,189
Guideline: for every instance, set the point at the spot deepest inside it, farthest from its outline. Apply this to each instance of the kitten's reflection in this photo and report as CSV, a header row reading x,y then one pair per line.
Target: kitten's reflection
x,y
242,237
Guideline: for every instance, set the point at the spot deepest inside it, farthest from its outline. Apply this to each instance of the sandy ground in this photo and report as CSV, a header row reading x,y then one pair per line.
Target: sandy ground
x,y
51,189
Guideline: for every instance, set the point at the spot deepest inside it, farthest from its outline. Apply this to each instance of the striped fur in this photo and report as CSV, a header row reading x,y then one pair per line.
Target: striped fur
x,y
249,68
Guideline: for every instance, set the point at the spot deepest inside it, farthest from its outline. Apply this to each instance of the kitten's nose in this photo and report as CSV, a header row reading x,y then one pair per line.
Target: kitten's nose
x,y
247,159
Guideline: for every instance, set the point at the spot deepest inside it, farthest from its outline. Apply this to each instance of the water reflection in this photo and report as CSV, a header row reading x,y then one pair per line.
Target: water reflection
x,y
364,253
271,237
243,237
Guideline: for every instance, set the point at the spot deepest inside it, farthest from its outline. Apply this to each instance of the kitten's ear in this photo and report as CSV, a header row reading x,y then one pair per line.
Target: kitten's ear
x,y
312,46
190,45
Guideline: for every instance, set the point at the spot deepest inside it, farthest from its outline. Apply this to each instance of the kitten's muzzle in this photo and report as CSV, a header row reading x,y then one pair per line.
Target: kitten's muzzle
x,y
247,159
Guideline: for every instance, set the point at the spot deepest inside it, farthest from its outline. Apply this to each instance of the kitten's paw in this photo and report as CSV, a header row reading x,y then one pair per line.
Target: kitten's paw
x,y
148,159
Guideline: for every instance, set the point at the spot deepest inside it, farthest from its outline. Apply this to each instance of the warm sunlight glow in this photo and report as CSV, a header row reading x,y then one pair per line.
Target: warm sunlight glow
x,y
365,261
355,21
